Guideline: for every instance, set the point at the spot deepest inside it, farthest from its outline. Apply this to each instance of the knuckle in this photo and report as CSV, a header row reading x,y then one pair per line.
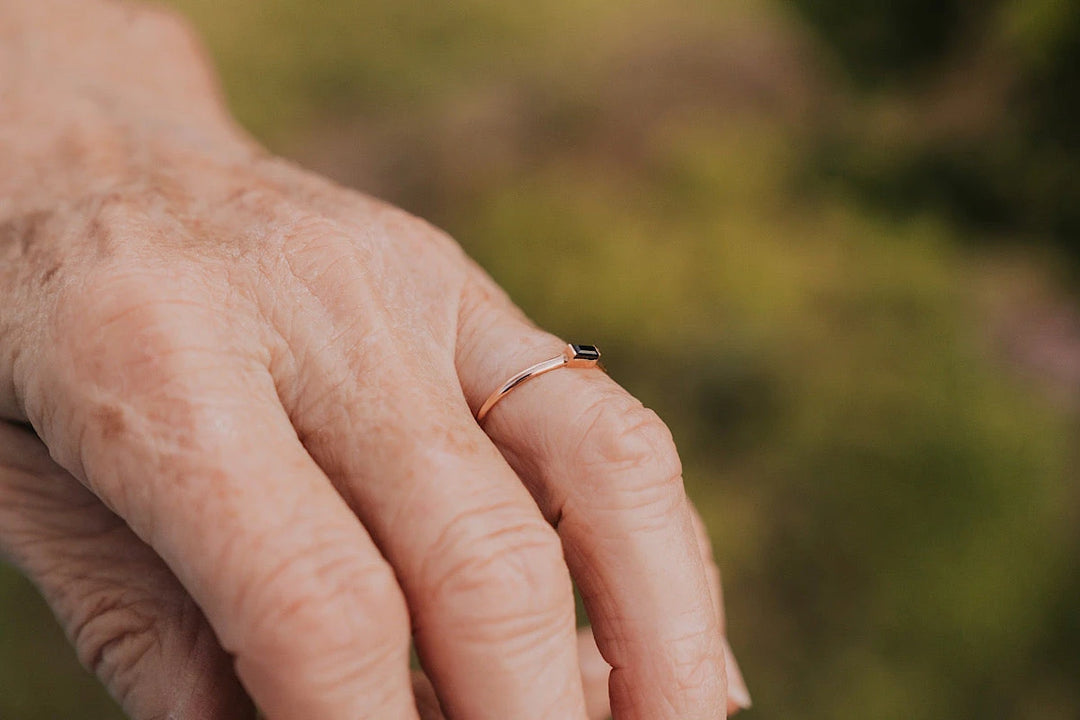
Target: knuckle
x,y
323,256
693,683
395,221
130,310
424,242
510,581
434,239
113,633
331,620
122,302
629,444
138,340
104,225
306,231
323,603
112,220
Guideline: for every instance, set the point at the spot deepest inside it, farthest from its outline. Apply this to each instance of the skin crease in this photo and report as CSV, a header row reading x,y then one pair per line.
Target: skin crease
x,y
254,475
134,624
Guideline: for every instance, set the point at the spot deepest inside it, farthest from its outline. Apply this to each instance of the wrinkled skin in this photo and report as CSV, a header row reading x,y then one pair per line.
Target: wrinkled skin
x,y
253,472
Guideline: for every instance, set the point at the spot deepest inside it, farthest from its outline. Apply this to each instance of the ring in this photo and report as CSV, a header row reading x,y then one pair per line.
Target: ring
x,y
574,356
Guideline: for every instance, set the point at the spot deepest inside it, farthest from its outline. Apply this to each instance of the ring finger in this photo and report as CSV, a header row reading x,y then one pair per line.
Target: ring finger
x,y
605,472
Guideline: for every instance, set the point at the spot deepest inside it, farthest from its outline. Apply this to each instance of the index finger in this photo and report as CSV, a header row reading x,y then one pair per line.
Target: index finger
x,y
177,426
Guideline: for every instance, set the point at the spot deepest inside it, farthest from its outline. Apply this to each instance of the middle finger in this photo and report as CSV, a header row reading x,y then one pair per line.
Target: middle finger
x,y
483,573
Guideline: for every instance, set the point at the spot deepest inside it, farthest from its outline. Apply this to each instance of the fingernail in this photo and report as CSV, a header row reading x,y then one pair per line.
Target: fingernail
x,y
736,685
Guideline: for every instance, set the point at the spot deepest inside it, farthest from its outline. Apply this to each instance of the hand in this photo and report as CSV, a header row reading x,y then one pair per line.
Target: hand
x,y
271,381
137,627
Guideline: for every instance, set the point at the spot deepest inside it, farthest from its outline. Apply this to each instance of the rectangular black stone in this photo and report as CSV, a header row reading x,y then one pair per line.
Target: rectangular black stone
x,y
585,352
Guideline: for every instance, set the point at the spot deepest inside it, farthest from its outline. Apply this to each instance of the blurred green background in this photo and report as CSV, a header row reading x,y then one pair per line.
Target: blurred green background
x,y
834,243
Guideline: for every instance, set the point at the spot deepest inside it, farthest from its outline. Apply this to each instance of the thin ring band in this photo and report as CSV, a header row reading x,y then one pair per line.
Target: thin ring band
x,y
574,356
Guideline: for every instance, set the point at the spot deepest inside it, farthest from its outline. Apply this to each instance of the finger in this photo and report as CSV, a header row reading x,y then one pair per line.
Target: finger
x,y
483,573
737,693
594,676
595,670
491,600
704,545
181,432
427,702
129,619
604,470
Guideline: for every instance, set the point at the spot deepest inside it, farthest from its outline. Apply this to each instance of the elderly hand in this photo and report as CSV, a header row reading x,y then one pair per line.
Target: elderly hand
x,y
271,381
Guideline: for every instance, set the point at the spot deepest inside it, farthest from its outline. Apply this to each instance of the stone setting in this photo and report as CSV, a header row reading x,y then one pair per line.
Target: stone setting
x,y
588,353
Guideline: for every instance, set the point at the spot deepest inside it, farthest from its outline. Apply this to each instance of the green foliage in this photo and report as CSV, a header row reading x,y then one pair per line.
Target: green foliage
x,y
890,501
1014,68
889,39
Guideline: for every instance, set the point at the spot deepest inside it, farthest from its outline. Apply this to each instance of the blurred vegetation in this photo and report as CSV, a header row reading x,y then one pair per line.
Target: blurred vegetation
x,y
990,92
829,241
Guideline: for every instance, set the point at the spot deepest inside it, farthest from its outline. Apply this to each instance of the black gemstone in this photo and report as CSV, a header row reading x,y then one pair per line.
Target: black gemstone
x,y
585,352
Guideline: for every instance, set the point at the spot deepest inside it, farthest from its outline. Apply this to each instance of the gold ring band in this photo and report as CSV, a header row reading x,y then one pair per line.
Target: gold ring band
x,y
574,356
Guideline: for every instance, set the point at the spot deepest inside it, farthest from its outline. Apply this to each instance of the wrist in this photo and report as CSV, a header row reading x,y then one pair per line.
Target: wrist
x,y
93,94
125,54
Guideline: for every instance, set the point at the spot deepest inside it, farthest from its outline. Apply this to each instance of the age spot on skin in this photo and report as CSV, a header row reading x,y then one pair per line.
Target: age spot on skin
x,y
18,234
110,422
49,274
